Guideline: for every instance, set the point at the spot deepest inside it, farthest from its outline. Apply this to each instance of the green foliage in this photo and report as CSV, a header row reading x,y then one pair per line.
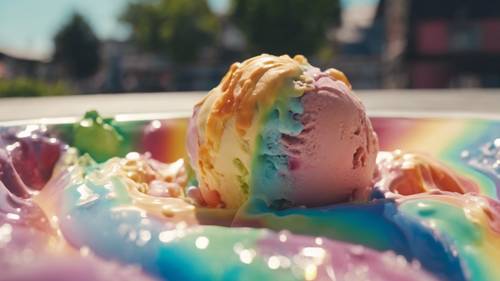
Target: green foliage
x,y
177,28
77,48
285,26
23,87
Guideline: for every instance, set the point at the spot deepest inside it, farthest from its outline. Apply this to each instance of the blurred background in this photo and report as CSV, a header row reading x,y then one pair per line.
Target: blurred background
x,y
65,47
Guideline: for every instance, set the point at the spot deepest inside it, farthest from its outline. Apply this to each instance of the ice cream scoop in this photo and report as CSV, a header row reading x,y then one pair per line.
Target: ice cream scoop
x,y
281,130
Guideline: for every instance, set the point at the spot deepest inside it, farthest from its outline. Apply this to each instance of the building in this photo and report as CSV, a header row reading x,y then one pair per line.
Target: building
x,y
420,43
455,43
14,66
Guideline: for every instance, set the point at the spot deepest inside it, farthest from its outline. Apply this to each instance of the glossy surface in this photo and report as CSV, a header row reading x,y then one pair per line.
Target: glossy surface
x,y
459,232
163,235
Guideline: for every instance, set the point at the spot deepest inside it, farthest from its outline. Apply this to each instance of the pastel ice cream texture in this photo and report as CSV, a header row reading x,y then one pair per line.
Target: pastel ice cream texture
x,y
31,249
448,227
135,230
281,130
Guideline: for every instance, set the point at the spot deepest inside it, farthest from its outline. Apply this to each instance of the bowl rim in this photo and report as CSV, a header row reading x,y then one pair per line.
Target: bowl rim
x,y
128,117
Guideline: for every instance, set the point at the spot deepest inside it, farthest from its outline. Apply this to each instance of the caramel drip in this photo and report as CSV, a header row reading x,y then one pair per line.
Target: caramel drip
x,y
338,75
247,88
417,173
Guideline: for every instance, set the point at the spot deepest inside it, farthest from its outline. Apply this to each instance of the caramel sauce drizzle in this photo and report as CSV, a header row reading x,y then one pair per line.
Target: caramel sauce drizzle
x,y
338,75
247,88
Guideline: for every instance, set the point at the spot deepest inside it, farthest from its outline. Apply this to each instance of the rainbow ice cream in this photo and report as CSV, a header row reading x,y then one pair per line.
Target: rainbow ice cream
x,y
164,236
160,230
280,129
31,248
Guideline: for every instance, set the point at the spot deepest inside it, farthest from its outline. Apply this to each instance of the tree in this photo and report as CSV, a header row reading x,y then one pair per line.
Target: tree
x,y
77,48
285,26
177,28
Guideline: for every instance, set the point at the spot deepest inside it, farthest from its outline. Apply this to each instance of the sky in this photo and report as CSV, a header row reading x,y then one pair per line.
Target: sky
x,y
27,27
